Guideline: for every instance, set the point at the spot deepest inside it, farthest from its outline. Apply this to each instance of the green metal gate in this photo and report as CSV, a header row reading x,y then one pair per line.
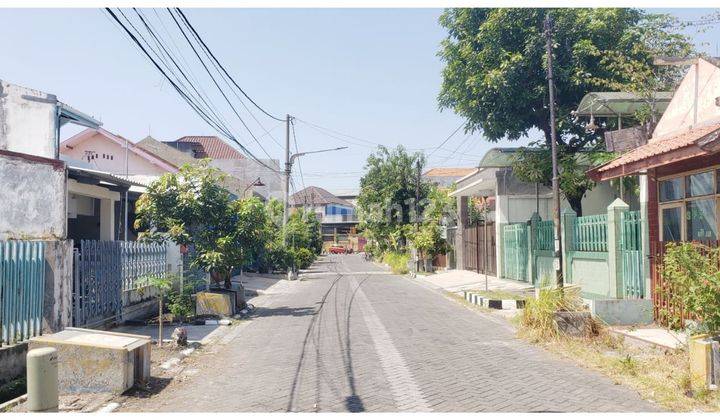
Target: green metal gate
x,y
22,290
515,251
631,253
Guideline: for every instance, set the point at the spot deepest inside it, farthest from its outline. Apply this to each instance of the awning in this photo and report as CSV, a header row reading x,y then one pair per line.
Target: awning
x,y
104,177
69,114
698,141
622,104
483,185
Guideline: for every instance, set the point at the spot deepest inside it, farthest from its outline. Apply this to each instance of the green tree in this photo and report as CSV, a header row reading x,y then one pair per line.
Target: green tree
x,y
192,208
386,203
238,244
189,206
495,74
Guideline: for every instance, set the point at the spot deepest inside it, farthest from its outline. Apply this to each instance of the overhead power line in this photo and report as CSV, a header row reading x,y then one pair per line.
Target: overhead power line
x,y
163,60
187,21
446,140
234,110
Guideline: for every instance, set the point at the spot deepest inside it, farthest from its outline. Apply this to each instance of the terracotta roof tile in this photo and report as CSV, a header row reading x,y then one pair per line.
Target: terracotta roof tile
x,y
449,171
213,147
663,145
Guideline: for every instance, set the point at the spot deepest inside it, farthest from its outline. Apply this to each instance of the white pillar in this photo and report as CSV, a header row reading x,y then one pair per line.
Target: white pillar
x,y
645,232
107,220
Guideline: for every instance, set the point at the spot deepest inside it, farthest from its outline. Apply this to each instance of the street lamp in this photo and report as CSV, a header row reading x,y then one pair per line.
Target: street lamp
x,y
256,183
288,168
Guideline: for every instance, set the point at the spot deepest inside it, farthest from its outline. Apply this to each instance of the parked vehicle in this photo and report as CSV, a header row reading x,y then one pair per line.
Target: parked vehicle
x,y
338,249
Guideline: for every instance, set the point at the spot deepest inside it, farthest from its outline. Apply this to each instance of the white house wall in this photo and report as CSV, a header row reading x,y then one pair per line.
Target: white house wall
x,y
111,157
28,122
33,200
680,114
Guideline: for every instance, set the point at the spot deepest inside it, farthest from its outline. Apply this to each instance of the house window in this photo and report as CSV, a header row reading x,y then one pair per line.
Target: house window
x,y
671,189
699,184
689,207
701,220
671,220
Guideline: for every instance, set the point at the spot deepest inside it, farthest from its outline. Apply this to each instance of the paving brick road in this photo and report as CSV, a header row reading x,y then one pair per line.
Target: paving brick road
x,y
353,338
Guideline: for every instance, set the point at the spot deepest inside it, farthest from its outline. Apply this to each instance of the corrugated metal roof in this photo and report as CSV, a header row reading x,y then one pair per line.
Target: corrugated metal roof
x,y
213,147
104,176
612,104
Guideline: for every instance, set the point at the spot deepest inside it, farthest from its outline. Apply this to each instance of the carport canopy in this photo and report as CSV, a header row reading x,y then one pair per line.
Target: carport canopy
x,y
619,104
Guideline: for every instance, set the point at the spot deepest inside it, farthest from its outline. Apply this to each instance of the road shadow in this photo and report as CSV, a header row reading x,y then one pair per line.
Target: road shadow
x,y
283,311
154,386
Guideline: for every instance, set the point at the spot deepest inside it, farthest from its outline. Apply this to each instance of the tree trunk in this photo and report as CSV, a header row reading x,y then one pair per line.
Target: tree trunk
x,y
228,280
576,204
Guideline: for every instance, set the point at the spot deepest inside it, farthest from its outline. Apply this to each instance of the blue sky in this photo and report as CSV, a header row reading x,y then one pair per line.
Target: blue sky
x,y
370,73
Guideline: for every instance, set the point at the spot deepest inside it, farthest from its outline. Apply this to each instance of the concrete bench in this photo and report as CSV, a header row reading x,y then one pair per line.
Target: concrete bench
x,y
92,361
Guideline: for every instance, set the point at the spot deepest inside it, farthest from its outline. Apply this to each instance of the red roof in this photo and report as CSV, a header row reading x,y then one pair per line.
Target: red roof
x,y
212,147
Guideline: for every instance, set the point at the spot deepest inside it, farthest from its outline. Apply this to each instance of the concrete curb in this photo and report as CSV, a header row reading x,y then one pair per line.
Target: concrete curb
x,y
9,405
478,299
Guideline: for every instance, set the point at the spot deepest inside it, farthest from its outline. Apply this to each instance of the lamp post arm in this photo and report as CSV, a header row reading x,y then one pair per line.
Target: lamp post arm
x,y
297,155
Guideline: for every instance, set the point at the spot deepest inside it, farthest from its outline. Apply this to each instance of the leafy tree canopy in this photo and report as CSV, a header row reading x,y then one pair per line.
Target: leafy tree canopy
x,y
387,199
495,74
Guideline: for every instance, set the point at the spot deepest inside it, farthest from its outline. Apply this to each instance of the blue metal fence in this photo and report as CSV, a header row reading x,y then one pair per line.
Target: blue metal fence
x,y
106,269
22,288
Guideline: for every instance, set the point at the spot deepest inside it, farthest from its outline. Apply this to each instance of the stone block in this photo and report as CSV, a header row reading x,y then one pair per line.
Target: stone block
x,y
91,361
574,323
240,301
219,303
700,353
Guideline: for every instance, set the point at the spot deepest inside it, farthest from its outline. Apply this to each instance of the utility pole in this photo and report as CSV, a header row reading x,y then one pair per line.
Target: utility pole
x,y
127,204
553,140
417,212
287,176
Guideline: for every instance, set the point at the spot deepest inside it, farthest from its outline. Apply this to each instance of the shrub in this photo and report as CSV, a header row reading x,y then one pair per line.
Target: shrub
x,y
180,303
694,277
538,317
303,257
397,261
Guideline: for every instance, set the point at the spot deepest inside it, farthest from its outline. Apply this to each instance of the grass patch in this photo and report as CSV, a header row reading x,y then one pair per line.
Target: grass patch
x,y
538,317
499,295
659,375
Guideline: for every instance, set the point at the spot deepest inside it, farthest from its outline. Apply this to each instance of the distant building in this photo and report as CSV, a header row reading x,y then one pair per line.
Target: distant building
x,y
231,161
445,177
337,216
348,195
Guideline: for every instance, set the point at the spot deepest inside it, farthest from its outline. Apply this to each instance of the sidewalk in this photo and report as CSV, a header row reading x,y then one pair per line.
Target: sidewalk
x,y
653,335
257,284
459,280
